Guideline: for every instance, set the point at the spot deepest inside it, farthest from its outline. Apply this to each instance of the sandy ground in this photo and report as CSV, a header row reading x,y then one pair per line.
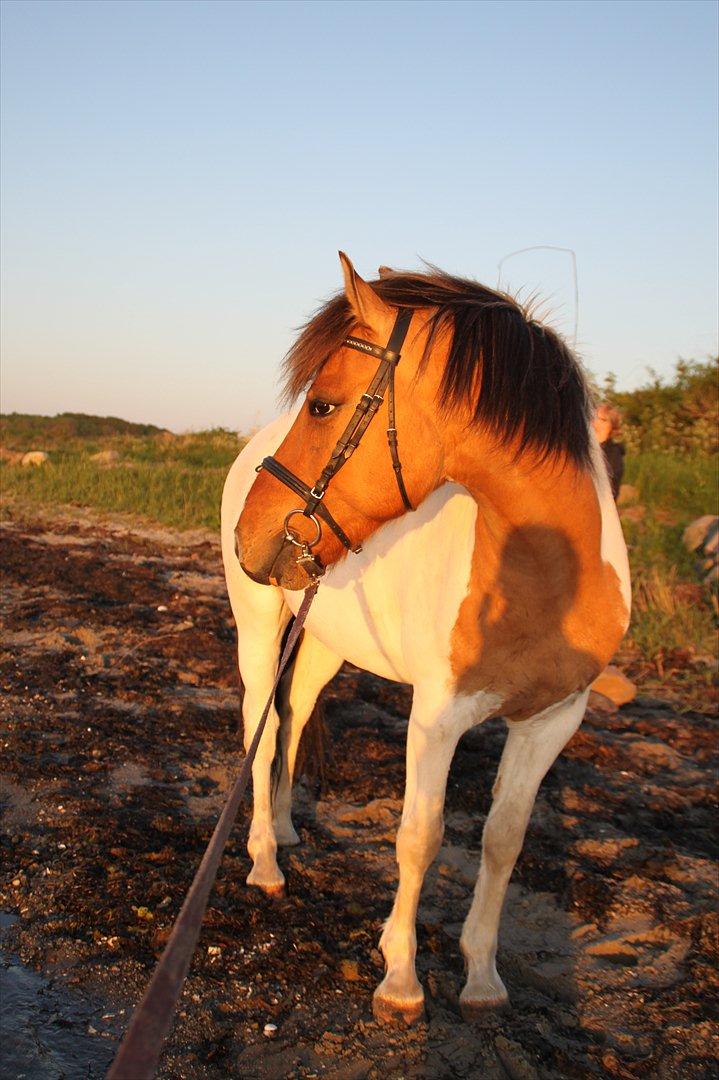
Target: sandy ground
x,y
118,743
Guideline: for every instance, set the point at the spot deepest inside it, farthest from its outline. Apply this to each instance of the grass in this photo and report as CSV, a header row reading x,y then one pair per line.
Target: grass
x,y
673,611
172,480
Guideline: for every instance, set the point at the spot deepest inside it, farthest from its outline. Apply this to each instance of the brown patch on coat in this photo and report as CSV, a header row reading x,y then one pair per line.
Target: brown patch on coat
x,y
543,614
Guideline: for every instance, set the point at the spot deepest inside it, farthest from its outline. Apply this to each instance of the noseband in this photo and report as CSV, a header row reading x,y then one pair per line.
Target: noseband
x,y
367,406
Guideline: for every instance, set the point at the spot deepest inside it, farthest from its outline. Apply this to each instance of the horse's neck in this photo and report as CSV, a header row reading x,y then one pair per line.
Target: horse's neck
x,y
524,494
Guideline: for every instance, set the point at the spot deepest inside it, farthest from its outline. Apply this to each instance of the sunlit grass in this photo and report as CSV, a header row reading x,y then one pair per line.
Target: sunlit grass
x,y
672,609
176,482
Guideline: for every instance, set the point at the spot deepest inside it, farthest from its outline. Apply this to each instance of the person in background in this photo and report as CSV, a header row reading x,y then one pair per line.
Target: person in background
x,y
607,422
607,426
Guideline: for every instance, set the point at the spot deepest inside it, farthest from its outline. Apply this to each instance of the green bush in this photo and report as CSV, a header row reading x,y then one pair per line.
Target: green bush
x,y
676,415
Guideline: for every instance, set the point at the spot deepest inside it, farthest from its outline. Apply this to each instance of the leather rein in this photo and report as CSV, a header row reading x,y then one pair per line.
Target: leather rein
x,y
349,440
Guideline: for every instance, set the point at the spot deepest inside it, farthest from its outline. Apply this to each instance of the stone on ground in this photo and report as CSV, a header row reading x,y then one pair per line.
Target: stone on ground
x,y
34,457
105,457
702,532
614,685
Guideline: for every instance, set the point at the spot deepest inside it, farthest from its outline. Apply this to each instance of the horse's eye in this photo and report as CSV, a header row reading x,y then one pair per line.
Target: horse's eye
x,y
321,408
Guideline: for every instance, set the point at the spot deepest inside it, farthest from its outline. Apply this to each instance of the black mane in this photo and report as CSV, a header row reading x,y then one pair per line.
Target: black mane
x,y
520,378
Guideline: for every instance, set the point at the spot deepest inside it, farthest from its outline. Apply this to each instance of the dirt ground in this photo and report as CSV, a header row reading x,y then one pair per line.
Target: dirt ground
x,y
118,743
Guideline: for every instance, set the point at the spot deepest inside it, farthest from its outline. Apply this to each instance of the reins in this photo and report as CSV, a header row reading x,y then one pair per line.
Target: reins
x,y
140,1049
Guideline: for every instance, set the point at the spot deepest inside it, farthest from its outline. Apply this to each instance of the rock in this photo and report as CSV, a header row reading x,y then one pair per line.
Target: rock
x,y
105,457
653,754
330,1043
600,703
376,812
614,685
633,513
616,952
605,850
702,532
628,494
34,457
349,970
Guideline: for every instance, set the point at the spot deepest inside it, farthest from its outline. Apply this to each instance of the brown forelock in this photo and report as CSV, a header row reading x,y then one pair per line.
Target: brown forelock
x,y
519,378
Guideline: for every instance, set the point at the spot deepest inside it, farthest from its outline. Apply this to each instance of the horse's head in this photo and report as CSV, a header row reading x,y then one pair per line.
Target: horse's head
x,y
364,493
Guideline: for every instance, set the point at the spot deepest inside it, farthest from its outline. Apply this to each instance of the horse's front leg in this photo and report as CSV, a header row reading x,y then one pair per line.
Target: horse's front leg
x,y
531,748
259,641
432,737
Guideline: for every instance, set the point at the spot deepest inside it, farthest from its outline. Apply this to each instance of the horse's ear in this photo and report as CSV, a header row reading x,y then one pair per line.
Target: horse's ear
x,y
385,272
364,301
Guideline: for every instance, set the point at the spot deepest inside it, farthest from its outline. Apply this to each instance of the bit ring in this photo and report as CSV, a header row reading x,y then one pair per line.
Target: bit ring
x,y
294,539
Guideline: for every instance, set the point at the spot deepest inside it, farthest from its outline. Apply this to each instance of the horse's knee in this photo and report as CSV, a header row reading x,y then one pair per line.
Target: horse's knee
x,y
419,838
502,839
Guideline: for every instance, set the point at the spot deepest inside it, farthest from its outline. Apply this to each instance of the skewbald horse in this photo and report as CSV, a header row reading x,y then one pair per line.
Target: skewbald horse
x,y
504,593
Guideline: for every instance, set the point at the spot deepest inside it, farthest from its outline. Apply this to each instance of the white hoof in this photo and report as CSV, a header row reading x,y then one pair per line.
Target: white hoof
x,y
481,996
272,884
396,1004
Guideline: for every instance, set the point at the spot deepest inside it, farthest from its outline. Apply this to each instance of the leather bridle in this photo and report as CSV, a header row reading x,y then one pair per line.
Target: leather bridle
x,y
367,407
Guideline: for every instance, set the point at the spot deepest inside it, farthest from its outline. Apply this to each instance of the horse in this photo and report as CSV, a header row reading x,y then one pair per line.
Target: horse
x,y
504,592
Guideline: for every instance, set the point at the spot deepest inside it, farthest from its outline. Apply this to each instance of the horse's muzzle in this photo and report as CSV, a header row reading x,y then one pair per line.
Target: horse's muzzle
x,y
277,566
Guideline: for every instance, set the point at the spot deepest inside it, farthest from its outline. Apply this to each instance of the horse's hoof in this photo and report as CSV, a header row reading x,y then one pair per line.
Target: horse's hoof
x,y
476,1009
397,1012
275,892
272,889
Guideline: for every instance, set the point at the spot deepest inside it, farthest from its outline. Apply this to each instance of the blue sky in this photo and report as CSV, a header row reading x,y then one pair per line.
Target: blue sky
x,y
178,177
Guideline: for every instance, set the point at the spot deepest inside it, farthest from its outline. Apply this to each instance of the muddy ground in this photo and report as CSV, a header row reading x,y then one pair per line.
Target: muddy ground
x,y
118,743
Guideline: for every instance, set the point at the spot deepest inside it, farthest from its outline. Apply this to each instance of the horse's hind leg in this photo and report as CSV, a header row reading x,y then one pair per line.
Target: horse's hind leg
x,y
531,748
313,667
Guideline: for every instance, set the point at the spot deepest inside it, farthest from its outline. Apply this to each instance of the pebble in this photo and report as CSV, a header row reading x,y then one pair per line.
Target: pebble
x,y
270,1030
350,970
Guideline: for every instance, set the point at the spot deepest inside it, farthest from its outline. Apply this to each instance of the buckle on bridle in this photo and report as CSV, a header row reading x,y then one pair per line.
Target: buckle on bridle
x,y
305,558
297,540
309,563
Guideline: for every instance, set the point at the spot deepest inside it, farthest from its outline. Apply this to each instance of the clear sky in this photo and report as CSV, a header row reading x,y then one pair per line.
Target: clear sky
x,y
178,177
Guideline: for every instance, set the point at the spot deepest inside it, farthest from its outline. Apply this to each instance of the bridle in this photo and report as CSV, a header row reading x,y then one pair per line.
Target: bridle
x,y
367,407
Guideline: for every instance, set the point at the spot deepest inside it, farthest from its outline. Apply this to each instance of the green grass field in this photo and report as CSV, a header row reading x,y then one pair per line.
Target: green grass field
x,y
172,480
671,608
177,481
